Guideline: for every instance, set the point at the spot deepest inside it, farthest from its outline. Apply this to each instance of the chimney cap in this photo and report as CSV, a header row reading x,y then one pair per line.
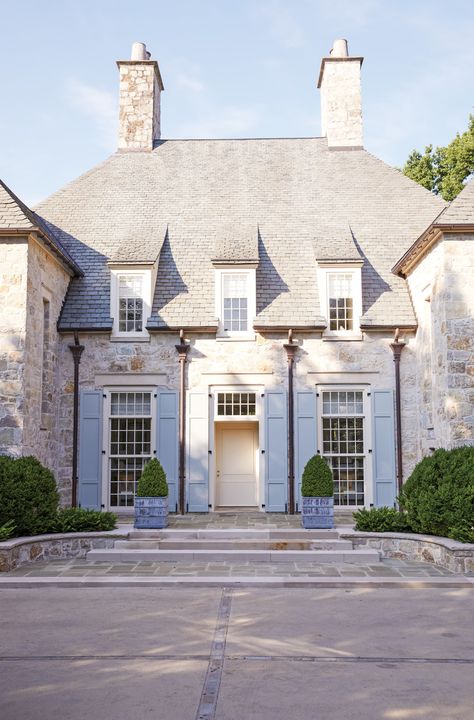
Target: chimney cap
x,y
339,48
139,52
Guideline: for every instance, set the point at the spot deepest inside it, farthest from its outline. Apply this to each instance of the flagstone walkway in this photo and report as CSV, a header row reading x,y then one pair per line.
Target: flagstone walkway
x,y
84,568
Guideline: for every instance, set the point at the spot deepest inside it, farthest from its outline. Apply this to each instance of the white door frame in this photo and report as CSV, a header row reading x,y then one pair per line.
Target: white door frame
x,y
258,417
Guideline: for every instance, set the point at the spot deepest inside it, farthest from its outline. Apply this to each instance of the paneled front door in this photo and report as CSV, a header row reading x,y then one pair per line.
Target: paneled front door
x,y
236,473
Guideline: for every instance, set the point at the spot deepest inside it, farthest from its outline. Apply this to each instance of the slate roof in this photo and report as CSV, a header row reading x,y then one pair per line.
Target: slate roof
x,y
461,210
15,216
298,199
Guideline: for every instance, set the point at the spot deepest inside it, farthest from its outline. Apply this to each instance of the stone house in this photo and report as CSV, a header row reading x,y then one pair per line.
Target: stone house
x,y
233,307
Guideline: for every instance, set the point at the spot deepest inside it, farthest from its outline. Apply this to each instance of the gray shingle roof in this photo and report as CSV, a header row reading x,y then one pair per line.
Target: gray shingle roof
x,y
16,216
293,190
461,210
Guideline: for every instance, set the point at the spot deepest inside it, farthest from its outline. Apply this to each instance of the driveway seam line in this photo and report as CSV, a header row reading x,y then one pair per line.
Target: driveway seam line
x,y
210,690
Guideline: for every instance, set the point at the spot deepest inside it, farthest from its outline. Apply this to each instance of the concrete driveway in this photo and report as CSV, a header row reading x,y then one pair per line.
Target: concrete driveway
x,y
183,653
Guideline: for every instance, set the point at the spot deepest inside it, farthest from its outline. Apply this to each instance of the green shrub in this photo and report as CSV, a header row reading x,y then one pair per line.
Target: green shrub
x,y
439,494
6,530
81,520
317,478
383,519
152,482
28,495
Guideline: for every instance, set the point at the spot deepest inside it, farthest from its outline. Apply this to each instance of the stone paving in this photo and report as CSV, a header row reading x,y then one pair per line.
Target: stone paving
x,y
84,568
241,519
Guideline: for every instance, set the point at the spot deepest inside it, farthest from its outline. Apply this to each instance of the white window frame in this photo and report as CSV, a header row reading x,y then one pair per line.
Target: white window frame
x,y
220,274
324,271
107,392
368,439
147,276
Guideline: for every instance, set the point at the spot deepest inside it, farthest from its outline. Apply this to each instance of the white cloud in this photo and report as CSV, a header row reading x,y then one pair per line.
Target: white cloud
x,y
99,105
189,82
230,121
282,24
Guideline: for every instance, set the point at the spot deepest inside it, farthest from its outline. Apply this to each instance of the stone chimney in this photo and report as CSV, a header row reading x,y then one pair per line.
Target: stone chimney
x,y
341,108
139,101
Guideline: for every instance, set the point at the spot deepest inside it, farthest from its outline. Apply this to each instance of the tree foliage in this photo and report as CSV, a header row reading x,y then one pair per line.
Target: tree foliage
x,y
443,170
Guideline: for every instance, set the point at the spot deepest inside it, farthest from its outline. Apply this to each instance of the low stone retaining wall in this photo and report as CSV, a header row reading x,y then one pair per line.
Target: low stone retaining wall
x,y
455,556
19,551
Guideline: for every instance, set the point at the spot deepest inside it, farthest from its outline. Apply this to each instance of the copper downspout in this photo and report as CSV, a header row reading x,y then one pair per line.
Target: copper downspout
x,y
291,349
397,347
183,349
76,351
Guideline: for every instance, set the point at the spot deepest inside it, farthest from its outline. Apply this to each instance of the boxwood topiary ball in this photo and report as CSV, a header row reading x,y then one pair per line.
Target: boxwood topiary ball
x,y
152,482
317,478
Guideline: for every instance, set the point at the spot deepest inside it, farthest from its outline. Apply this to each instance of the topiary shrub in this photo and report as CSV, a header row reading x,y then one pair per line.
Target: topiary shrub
x,y
317,478
152,482
28,495
383,519
71,520
438,497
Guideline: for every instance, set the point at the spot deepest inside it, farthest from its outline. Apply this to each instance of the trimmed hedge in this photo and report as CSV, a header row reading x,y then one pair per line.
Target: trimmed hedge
x,y
317,478
438,497
383,519
152,482
28,495
71,520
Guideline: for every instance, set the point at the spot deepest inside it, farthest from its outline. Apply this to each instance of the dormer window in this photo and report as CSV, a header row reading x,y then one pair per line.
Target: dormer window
x,y
341,300
235,302
130,302
130,291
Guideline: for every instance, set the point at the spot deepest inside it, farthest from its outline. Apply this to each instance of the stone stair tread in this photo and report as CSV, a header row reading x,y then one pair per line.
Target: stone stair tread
x,y
190,555
235,533
234,544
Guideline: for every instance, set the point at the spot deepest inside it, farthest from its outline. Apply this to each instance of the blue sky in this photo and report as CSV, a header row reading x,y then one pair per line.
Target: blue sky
x,y
231,68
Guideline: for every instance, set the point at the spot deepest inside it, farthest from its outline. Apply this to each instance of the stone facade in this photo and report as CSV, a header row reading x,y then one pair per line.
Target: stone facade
x,y
13,321
139,105
444,304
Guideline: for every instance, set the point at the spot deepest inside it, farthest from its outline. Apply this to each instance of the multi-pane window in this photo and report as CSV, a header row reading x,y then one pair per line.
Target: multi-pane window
x,y
130,291
340,299
235,302
343,443
129,444
236,403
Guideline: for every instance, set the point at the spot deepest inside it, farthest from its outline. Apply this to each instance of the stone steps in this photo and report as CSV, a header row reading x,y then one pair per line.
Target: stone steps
x,y
120,555
234,544
233,534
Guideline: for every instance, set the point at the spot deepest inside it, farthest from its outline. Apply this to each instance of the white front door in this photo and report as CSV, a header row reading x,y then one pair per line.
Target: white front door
x,y
236,476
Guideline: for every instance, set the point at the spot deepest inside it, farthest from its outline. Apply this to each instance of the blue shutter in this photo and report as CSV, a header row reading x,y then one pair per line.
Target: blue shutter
x,y
90,449
306,435
197,444
384,448
276,450
167,441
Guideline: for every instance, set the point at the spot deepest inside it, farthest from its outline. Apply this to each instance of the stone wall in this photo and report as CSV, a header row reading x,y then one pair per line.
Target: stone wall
x,y
139,105
13,288
444,305
47,283
262,362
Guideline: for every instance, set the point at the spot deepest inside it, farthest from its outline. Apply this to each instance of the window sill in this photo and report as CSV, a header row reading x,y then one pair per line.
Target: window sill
x,y
130,338
342,337
246,337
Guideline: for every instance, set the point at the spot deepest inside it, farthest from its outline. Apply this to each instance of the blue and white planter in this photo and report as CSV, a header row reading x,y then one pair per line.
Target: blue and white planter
x,y
151,513
317,512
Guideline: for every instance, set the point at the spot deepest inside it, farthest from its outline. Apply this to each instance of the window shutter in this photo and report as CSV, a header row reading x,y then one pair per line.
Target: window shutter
x,y
197,444
167,441
276,450
90,449
384,448
306,440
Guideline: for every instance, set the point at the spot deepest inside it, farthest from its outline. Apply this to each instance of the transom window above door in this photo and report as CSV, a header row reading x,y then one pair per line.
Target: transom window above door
x,y
236,404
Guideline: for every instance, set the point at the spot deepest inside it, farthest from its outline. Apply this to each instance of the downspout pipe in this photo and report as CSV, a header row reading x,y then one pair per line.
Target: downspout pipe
x,y
76,350
182,350
291,349
397,346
